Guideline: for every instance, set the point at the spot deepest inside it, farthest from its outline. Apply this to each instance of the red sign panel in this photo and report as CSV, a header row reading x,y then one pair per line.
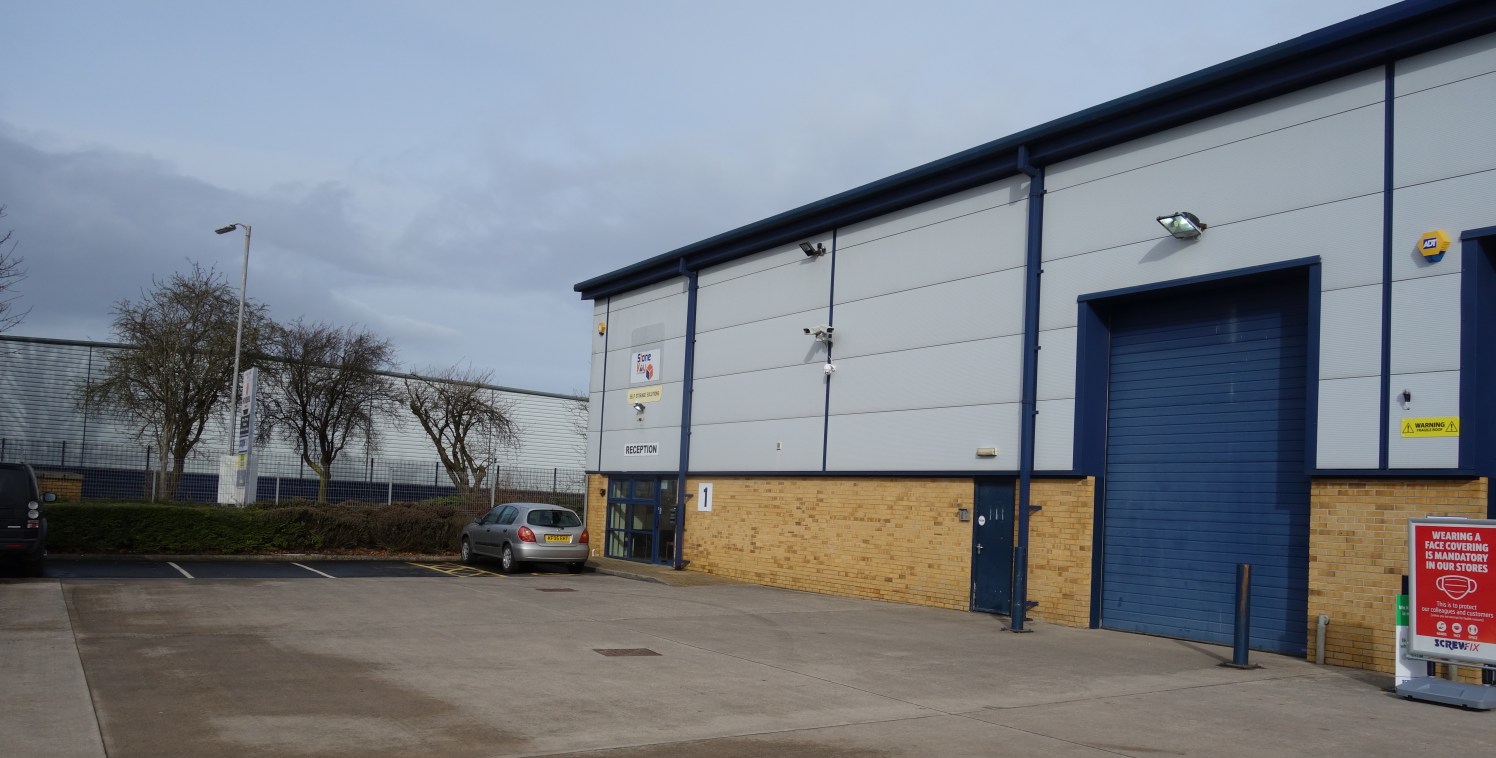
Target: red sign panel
x,y
1452,586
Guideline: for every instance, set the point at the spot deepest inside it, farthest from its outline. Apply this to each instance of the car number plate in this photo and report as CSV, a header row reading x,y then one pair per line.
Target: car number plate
x,y
558,538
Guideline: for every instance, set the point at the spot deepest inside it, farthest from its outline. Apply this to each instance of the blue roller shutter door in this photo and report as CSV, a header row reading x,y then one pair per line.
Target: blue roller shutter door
x,y
1205,466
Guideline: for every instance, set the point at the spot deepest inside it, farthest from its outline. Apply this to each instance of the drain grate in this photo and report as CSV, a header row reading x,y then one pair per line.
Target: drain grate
x,y
554,589
624,651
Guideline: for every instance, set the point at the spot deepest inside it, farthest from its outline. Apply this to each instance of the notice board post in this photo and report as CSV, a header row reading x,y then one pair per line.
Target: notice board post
x,y
1452,606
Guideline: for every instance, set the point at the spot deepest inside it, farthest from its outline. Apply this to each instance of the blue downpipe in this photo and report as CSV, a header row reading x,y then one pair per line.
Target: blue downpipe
x,y
1033,262
679,561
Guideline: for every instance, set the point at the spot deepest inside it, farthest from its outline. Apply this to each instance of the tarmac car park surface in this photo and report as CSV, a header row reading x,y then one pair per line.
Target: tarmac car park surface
x,y
127,658
188,568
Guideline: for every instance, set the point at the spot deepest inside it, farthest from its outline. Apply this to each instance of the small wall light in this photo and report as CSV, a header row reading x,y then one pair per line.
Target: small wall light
x,y
812,252
1182,224
963,514
638,407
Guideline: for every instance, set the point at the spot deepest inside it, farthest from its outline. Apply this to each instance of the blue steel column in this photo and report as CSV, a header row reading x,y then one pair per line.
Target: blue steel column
x,y
1389,97
685,419
1030,387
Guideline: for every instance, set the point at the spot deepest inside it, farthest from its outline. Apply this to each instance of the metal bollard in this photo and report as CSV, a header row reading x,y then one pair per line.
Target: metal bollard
x,y
1243,617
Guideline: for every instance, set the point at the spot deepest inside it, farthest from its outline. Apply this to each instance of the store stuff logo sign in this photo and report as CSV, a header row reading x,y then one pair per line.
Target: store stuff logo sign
x,y
646,366
1453,584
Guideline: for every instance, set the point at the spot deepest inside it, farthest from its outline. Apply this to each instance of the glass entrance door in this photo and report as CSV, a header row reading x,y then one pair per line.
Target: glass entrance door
x,y
641,519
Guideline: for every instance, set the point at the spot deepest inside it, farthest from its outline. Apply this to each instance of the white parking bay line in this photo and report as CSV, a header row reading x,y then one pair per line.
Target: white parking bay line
x,y
315,571
179,568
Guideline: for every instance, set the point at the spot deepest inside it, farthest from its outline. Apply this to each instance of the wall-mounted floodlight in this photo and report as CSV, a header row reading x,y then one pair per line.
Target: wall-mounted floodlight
x,y
818,249
1182,224
638,407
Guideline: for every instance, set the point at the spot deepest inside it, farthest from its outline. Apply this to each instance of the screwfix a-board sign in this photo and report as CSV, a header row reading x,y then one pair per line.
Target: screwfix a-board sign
x,y
1452,589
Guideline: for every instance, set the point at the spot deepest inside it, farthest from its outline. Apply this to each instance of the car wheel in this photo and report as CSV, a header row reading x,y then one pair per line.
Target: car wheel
x,y
574,568
507,562
466,551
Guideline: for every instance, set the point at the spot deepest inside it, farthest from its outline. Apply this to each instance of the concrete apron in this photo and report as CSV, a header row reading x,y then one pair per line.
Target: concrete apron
x,y
493,666
45,708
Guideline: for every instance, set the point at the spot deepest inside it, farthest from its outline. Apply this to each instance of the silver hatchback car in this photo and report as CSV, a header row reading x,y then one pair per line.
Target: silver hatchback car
x,y
517,533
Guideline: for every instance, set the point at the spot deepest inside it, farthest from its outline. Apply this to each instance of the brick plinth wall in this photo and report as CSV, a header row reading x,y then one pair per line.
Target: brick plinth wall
x,y
597,512
884,539
1358,554
1060,550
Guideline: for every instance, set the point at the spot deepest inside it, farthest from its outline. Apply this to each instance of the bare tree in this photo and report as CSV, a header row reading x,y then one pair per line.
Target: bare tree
x,y
176,373
465,419
11,274
323,390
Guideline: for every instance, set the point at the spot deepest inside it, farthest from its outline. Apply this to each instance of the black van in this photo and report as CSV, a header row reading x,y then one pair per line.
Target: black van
x,y
23,526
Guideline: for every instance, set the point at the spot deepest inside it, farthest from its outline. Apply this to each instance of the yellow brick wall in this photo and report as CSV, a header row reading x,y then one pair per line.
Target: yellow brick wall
x,y
597,511
897,539
855,537
66,486
1358,554
1060,550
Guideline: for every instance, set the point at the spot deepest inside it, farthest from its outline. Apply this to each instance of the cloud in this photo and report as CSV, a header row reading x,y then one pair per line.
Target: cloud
x,y
448,174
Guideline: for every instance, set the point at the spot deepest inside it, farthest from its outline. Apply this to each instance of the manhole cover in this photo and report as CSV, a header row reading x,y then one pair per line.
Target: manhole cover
x,y
554,589
622,651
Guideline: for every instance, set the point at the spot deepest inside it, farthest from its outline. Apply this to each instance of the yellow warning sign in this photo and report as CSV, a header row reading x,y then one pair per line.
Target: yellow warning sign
x,y
1448,426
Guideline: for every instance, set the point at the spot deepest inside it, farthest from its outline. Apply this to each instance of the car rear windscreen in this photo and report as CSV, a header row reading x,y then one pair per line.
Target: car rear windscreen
x,y
15,490
555,519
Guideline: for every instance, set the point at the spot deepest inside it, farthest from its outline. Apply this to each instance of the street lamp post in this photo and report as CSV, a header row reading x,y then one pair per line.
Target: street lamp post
x,y
238,335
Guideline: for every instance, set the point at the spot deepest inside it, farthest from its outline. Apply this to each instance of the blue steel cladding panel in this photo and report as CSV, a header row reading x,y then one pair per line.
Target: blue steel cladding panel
x,y
1205,466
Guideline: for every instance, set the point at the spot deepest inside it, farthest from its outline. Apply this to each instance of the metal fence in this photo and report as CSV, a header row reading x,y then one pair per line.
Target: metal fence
x,y
125,472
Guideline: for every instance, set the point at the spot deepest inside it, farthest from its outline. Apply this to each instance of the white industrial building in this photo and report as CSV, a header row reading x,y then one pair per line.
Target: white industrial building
x,y
1041,387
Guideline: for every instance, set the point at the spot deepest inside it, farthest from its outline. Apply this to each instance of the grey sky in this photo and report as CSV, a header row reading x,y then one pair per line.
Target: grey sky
x,y
442,172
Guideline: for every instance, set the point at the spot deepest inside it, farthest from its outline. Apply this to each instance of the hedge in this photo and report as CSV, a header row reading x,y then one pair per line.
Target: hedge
x,y
166,529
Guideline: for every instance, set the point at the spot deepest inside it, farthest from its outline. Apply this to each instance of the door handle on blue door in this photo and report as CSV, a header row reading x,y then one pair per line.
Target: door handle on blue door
x,y
979,548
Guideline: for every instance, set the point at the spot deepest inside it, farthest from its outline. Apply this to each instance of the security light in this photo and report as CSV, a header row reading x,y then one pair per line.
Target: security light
x,y
818,249
1182,224
639,407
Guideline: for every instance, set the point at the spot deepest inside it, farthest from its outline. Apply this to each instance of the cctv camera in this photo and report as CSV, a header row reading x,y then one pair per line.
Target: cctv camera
x,y
829,369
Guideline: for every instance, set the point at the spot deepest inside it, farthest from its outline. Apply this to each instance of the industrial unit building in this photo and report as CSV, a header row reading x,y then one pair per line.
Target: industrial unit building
x,y
40,423
1245,316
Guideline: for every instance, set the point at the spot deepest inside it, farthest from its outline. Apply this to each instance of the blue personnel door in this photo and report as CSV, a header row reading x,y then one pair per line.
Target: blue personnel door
x,y
1205,465
992,547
